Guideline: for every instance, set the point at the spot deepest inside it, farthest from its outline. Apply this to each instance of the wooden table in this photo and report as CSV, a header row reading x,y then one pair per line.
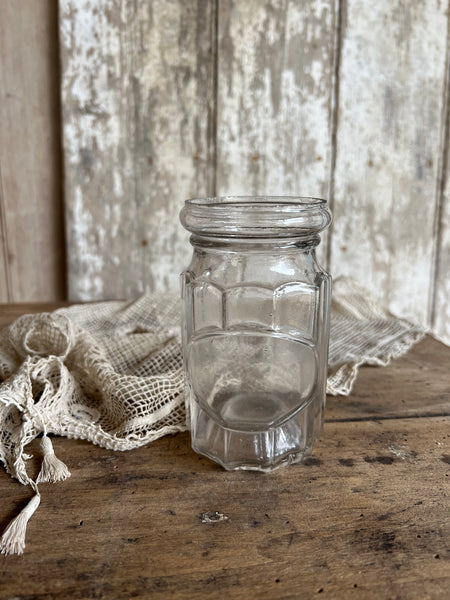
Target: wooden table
x,y
366,517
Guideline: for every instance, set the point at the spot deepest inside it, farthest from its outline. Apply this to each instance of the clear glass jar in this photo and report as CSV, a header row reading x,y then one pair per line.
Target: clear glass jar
x,y
255,329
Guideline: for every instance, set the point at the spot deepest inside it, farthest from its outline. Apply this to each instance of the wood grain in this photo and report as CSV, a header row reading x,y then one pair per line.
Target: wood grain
x,y
364,517
138,111
391,78
31,223
421,376
10,312
275,89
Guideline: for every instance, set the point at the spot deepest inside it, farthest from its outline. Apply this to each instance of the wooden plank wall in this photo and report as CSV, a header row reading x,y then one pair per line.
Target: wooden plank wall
x,y
31,211
343,98
391,78
138,123
275,97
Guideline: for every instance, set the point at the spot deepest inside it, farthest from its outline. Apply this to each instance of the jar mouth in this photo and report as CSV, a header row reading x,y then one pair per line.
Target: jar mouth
x,y
303,201
256,216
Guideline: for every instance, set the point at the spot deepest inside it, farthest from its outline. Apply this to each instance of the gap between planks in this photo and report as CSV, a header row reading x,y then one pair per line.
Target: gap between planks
x,y
440,183
4,235
388,418
334,115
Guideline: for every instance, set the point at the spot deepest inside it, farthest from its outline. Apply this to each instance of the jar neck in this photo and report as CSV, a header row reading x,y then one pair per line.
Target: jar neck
x,y
236,244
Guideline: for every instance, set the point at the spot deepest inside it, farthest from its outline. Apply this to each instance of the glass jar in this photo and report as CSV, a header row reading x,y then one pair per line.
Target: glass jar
x,y
255,329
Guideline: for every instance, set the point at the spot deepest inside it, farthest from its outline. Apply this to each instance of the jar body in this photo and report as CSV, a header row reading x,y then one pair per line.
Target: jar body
x,y
255,345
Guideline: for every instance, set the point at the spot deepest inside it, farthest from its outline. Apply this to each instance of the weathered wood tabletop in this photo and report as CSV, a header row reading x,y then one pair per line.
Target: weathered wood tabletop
x,y
367,516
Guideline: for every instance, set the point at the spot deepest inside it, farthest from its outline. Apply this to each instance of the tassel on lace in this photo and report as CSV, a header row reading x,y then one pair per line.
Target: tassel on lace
x,y
13,539
52,468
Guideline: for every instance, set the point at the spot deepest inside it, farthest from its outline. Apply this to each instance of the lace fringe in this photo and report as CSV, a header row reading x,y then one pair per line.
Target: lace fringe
x,y
52,468
13,539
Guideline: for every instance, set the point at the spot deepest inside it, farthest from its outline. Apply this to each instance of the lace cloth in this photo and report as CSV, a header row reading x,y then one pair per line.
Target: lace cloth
x,y
111,373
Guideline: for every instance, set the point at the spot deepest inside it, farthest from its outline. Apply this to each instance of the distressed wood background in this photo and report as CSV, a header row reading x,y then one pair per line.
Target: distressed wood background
x,y
167,99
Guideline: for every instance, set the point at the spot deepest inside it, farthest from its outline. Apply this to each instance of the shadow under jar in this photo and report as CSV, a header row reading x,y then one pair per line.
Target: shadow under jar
x,y
255,329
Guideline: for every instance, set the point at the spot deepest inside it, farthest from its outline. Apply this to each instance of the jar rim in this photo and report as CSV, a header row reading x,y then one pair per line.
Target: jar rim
x,y
256,216
299,201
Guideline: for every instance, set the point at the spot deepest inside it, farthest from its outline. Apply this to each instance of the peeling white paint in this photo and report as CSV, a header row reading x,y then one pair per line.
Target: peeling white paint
x,y
90,284
135,115
402,452
118,187
213,517
391,74
274,119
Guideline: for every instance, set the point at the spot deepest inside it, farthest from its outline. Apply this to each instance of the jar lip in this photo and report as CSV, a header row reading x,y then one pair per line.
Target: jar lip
x,y
229,201
255,216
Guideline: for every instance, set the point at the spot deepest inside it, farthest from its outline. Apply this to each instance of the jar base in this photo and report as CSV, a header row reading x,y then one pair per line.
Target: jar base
x,y
261,450
290,459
